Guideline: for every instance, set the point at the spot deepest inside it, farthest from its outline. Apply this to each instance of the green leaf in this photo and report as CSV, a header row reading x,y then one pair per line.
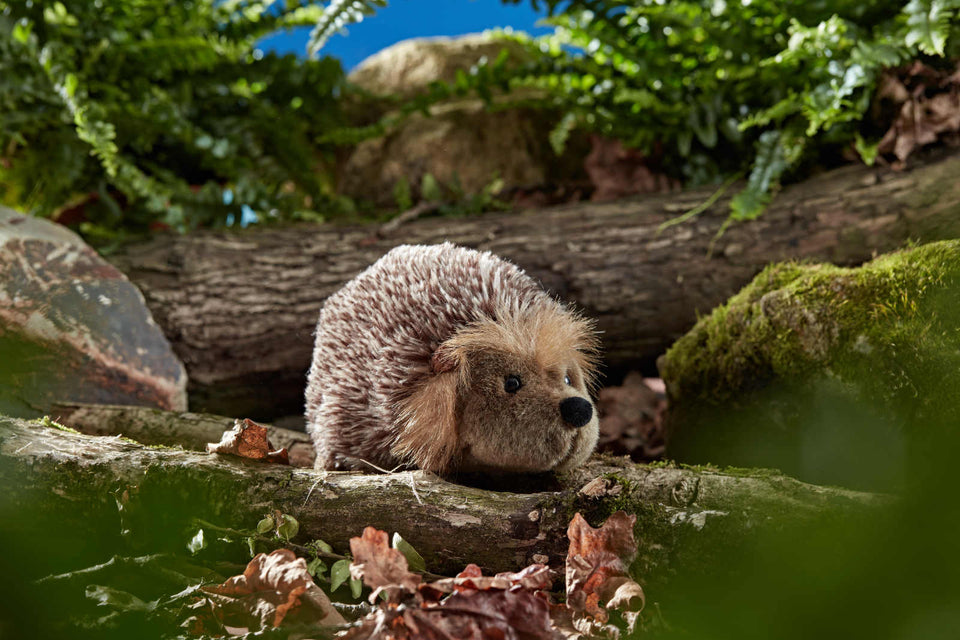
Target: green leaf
x,y
356,587
339,573
768,166
402,195
70,83
321,546
266,525
316,567
119,600
430,188
337,15
559,135
867,150
197,543
288,527
928,23
414,560
22,30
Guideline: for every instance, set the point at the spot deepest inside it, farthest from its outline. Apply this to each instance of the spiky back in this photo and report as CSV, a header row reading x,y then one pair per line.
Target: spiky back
x,y
377,334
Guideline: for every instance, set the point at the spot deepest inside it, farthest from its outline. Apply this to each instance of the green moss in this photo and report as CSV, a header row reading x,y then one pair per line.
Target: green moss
x,y
47,421
795,319
818,348
736,472
659,464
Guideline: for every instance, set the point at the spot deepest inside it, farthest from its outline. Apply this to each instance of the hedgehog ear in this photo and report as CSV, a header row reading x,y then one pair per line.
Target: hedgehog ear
x,y
428,437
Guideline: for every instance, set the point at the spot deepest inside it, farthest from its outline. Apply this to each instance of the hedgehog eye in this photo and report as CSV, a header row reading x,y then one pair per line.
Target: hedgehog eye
x,y
512,384
566,380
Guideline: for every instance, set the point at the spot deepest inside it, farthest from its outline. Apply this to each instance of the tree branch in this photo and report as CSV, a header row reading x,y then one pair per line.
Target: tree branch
x,y
240,307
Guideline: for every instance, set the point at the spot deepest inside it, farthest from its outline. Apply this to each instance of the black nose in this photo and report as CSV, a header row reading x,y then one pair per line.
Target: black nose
x,y
576,411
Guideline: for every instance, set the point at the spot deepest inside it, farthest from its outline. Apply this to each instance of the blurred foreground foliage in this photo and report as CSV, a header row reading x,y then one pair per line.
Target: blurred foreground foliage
x,y
149,113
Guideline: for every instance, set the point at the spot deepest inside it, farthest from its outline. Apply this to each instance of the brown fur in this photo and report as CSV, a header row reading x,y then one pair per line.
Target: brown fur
x,y
447,325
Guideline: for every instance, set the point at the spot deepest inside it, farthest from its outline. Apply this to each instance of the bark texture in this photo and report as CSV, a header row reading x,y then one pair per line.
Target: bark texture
x,y
172,429
119,493
240,307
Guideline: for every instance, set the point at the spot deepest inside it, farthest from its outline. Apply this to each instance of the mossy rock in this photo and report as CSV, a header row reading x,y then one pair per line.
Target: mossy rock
x,y
830,374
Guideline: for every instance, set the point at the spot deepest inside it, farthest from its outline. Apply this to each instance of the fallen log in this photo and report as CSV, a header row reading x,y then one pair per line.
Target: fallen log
x,y
239,307
171,428
87,496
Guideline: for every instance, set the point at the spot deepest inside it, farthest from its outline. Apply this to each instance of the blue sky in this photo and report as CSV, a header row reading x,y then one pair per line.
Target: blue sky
x,y
403,19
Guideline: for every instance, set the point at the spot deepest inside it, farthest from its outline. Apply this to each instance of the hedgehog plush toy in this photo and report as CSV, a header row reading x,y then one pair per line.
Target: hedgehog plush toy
x,y
449,359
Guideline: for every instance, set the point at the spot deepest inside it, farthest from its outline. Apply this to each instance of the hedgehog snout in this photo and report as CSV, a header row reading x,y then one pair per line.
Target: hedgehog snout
x,y
575,411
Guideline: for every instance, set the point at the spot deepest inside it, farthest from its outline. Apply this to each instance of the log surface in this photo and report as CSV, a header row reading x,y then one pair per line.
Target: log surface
x,y
171,428
240,307
117,492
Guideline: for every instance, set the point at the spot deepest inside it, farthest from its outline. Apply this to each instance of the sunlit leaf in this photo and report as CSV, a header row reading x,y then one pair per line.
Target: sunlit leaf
x,y
414,560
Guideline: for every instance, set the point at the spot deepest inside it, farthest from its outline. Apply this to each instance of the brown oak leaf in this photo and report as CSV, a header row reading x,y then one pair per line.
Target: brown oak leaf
x,y
248,439
380,566
597,573
927,105
631,418
534,578
471,606
272,588
512,614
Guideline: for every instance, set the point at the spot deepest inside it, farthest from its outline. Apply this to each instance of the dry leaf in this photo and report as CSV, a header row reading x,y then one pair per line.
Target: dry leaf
x,y
617,171
631,418
273,588
927,106
534,578
380,566
597,567
248,439
517,614
507,606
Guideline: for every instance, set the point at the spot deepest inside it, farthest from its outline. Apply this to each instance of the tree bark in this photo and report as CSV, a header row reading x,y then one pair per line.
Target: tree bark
x,y
240,307
116,493
172,429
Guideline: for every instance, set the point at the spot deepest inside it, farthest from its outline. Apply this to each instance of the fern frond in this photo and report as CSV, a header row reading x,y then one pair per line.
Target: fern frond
x,y
336,17
928,24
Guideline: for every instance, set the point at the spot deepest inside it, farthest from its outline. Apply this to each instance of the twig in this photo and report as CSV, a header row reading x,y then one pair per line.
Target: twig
x,y
703,206
409,215
321,480
413,487
413,483
726,225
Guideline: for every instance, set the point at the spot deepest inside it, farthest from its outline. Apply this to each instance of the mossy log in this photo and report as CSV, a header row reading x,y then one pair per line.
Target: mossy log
x,y
239,307
835,375
85,493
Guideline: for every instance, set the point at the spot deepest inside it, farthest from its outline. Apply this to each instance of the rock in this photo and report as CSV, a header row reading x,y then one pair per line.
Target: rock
x,y
462,143
73,328
833,375
407,68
